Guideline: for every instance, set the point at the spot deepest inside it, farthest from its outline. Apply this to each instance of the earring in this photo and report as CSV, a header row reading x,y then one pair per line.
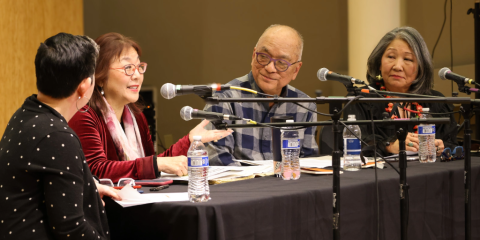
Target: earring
x,y
379,77
101,91
88,104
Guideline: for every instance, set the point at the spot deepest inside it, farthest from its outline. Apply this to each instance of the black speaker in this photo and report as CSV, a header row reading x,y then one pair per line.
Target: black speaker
x,y
148,98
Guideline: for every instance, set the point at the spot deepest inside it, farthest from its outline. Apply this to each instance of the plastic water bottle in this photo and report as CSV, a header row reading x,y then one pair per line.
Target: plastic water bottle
x,y
198,189
352,147
426,138
290,153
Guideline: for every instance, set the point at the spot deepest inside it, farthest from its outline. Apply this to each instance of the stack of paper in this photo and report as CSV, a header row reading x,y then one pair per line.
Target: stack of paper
x,y
131,197
228,172
411,156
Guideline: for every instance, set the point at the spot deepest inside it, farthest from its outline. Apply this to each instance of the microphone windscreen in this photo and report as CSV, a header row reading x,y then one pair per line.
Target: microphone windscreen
x,y
168,91
322,74
186,113
442,73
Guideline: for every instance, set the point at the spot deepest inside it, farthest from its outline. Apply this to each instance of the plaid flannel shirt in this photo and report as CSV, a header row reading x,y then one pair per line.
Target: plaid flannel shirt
x,y
256,143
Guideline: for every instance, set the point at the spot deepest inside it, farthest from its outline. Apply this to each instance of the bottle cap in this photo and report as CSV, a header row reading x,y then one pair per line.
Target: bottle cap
x,y
351,117
197,138
425,109
290,120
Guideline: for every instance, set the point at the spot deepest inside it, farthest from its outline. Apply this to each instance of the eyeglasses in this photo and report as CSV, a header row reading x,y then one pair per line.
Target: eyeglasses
x,y
121,183
280,64
130,68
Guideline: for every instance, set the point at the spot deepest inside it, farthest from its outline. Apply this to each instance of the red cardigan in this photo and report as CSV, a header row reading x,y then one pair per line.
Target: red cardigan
x,y
101,154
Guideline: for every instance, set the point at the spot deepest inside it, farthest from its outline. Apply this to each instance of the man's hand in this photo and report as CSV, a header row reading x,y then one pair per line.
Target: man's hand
x,y
107,191
175,165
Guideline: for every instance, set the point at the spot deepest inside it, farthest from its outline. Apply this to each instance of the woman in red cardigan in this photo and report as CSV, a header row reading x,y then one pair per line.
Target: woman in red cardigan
x,y
114,132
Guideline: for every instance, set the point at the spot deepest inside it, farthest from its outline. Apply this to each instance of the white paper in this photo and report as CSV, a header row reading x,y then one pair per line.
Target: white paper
x,y
131,197
222,172
411,156
326,161
317,162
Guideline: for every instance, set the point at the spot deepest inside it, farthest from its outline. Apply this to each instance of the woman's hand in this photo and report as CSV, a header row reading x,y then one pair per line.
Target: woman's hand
x,y
107,191
208,135
439,146
175,165
411,144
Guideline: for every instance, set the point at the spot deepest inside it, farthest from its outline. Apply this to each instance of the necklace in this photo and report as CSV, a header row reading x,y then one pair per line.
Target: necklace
x,y
395,113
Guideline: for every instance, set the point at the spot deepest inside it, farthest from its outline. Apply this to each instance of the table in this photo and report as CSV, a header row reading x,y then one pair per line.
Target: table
x,y
270,208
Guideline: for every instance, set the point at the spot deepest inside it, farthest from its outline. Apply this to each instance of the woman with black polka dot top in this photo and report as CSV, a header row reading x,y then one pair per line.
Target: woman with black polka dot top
x,y
46,188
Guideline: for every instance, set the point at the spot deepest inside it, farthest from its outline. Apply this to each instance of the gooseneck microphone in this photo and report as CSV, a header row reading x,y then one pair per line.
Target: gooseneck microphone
x,y
445,73
187,113
324,74
169,90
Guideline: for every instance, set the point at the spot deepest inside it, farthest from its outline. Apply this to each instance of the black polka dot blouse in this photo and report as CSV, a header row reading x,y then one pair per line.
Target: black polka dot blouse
x,y
46,188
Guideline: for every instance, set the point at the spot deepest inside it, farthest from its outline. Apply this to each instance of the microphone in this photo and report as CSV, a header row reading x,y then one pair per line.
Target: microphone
x,y
445,73
324,74
187,113
169,90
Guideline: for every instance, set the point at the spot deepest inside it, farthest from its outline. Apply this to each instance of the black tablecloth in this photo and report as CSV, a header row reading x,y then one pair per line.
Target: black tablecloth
x,y
271,208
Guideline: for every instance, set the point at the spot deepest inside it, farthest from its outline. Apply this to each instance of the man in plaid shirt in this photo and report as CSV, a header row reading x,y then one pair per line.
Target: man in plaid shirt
x,y
276,60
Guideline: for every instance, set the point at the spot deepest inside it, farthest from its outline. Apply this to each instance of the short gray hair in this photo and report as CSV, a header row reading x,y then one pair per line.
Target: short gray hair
x,y
424,81
300,38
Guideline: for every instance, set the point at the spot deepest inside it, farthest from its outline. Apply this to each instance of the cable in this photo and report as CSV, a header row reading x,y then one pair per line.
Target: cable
x,y
247,90
311,110
250,121
376,153
418,112
329,115
444,113
268,95
160,143
376,177
357,97
375,91
441,30
451,42
463,123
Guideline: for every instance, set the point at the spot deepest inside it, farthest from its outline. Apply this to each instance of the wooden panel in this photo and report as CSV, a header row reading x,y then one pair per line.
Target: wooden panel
x,y
25,24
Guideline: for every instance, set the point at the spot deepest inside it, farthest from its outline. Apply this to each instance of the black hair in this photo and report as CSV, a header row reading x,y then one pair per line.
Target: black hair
x,y
62,62
424,80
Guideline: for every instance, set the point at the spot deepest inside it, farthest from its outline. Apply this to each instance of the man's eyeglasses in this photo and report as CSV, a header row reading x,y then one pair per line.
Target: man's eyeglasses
x,y
121,183
280,64
130,68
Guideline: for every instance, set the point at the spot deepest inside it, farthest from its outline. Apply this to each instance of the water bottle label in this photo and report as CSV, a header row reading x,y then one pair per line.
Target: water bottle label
x,y
291,143
198,162
426,129
352,145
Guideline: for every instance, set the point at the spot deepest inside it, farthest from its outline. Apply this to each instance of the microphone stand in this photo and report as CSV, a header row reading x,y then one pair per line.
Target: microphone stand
x,y
465,109
219,124
467,138
335,106
402,135
336,155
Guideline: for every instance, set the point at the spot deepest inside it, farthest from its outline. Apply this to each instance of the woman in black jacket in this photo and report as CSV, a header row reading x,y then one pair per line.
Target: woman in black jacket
x,y
401,63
